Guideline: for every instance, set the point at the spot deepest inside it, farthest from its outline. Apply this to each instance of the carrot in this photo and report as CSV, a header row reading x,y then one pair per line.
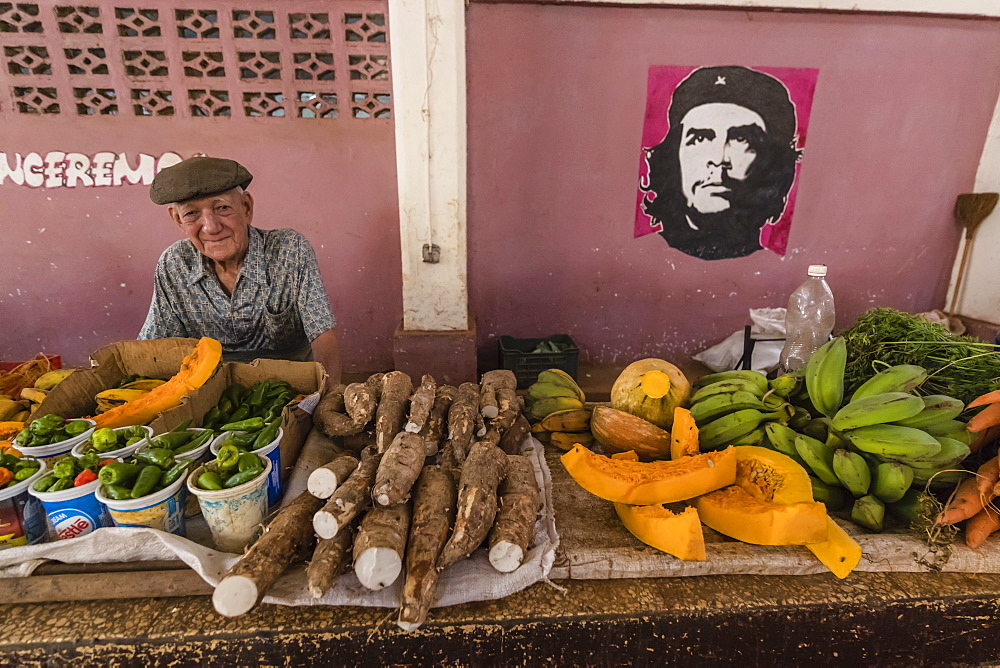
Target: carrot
x,y
987,477
983,399
988,417
980,526
966,503
6,475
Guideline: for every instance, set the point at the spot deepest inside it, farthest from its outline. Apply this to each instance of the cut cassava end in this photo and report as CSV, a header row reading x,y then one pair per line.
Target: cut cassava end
x,y
434,501
399,469
380,545
236,595
391,412
328,561
284,539
324,480
421,404
493,381
482,473
515,521
349,499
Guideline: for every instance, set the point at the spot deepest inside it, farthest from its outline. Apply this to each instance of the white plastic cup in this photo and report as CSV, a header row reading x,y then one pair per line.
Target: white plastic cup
x,y
73,512
163,510
55,450
235,516
198,453
22,518
273,452
81,449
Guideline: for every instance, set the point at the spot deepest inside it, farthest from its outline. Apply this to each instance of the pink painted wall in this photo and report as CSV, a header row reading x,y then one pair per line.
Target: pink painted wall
x,y
78,263
556,102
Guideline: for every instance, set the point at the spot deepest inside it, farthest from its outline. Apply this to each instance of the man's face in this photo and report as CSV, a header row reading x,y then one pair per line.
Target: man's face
x,y
217,225
717,148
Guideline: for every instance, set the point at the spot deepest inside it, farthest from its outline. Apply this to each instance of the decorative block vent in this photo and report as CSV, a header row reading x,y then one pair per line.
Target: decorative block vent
x,y
299,59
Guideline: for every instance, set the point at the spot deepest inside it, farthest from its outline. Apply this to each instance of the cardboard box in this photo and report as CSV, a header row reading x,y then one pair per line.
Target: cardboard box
x,y
304,377
74,396
161,358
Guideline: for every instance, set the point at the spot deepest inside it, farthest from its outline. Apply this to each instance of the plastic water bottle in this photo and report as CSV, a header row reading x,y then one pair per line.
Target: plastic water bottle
x,y
809,320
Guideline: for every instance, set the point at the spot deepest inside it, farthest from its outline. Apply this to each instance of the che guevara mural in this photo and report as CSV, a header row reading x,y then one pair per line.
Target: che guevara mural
x,y
722,149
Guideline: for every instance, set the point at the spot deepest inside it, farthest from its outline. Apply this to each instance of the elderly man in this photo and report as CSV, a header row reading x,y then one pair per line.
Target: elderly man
x,y
257,291
726,165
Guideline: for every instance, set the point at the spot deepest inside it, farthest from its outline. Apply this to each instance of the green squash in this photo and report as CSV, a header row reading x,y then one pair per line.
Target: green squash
x,y
651,389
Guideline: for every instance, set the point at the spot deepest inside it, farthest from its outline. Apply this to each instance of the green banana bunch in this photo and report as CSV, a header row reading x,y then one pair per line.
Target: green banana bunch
x,y
817,457
852,471
786,385
825,376
899,378
891,480
937,408
878,409
755,377
893,440
724,430
782,438
831,496
717,405
869,512
727,387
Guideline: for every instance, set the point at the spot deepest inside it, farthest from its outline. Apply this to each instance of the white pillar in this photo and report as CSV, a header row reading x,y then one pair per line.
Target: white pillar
x,y
427,40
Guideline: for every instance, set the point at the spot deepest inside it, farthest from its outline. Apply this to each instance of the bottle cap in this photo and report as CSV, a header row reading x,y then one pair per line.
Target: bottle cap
x,y
817,270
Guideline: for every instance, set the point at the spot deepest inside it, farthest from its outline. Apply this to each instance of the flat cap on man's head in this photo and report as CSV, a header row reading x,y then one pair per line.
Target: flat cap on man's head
x,y
733,84
198,177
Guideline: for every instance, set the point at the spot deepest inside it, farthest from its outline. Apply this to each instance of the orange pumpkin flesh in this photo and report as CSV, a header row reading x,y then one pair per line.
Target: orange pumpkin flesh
x,y
678,534
683,435
649,483
196,368
776,478
735,513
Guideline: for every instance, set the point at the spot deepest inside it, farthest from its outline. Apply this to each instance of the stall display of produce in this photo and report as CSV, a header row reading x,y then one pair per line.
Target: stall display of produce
x,y
423,477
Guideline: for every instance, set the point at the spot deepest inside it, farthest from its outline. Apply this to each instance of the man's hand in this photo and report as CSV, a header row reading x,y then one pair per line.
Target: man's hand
x,y
326,351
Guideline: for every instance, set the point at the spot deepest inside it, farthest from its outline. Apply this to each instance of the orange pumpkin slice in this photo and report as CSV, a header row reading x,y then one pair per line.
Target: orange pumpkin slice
x,y
678,534
196,368
733,512
649,483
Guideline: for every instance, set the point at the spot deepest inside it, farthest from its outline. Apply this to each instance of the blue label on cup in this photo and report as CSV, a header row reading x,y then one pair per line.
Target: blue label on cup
x,y
274,477
77,517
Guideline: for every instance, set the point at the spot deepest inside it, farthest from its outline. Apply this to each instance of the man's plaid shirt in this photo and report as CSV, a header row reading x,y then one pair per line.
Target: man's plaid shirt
x,y
279,302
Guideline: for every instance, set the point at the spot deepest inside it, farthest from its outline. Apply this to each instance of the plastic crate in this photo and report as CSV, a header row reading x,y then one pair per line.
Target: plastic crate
x,y
516,356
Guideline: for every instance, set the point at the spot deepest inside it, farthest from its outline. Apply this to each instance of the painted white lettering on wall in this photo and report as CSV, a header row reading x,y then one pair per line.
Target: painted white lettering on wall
x,y
57,169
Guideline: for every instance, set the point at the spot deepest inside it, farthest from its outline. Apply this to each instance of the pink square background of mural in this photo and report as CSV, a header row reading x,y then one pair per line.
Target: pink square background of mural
x,y
663,79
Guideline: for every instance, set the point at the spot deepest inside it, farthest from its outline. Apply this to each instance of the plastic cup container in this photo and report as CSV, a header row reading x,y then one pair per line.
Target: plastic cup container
x,y
22,518
55,450
272,452
235,516
81,448
163,510
73,512
199,453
